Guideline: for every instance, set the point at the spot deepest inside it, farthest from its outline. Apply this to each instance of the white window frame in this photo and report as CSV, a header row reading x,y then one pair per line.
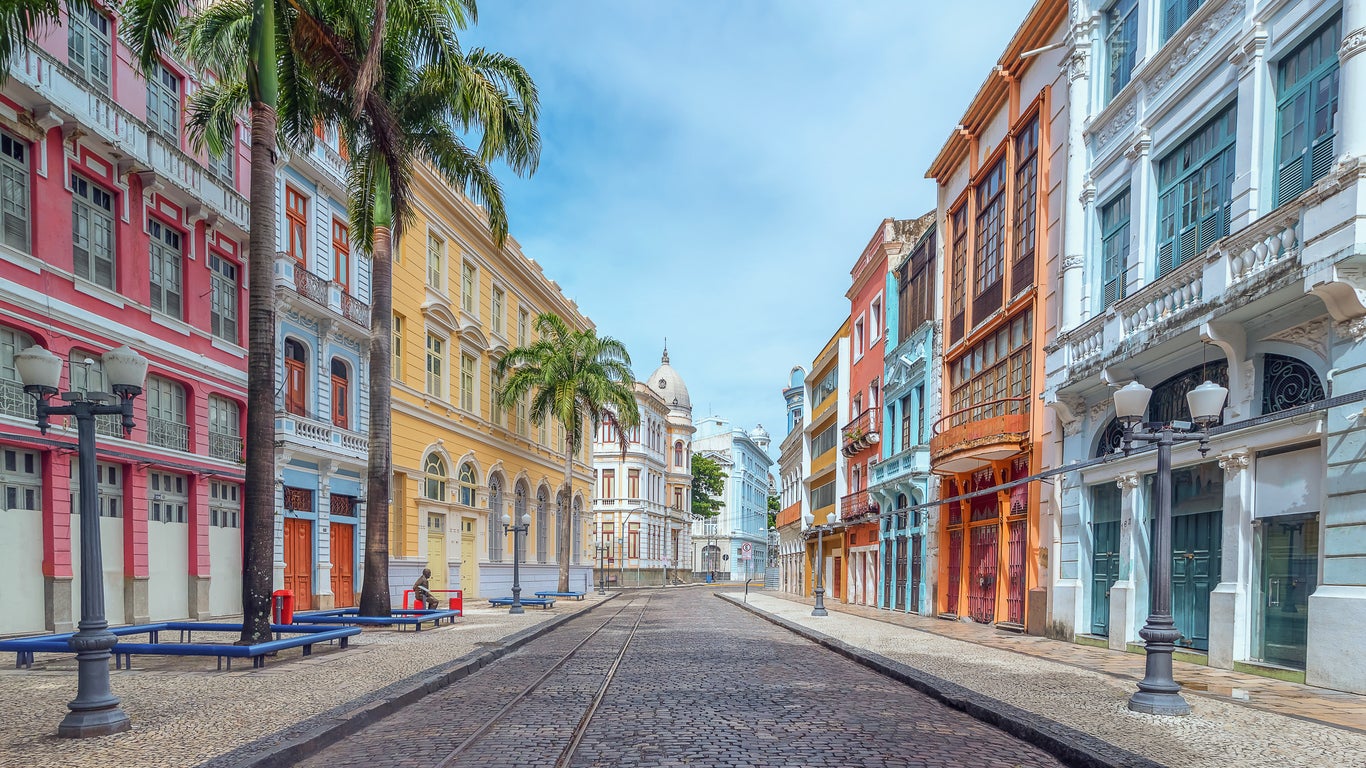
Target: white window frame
x,y
438,380
436,252
93,207
163,102
469,381
15,192
89,46
168,497
166,269
224,288
225,504
21,479
469,287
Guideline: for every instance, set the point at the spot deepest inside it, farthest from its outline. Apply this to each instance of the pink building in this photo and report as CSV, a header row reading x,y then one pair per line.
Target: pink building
x,y
113,231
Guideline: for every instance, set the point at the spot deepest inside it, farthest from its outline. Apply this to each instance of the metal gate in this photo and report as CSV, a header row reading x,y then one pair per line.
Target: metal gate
x,y
916,566
982,557
900,579
955,571
1015,589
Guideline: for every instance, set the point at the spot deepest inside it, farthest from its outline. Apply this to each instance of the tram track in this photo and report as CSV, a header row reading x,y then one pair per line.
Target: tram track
x,y
505,715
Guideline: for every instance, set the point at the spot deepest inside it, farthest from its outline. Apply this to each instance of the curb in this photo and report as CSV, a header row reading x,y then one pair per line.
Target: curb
x,y
1069,745
305,738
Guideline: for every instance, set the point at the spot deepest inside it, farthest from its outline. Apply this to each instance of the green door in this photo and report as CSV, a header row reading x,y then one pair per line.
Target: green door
x,y
1290,551
1104,574
1195,574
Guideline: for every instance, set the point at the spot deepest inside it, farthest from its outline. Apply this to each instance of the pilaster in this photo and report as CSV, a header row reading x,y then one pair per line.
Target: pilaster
x,y
1130,592
1230,610
1351,135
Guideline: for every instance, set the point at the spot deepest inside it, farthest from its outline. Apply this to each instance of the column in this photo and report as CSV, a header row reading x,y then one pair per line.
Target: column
x,y
1067,566
1229,607
1351,138
1077,65
1253,82
323,596
136,563
198,552
57,574
1125,596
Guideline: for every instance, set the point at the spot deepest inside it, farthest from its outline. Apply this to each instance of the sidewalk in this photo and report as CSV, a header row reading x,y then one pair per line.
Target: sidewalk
x,y
184,712
1236,719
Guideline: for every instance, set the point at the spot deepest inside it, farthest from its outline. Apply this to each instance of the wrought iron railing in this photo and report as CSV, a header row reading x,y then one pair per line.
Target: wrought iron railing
x,y
15,402
355,310
165,433
225,446
856,505
309,285
860,433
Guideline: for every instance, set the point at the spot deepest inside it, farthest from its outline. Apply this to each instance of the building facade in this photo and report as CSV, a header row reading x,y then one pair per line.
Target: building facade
x,y
460,462
322,292
826,396
792,463
642,508
900,479
733,545
114,231
999,208
1216,233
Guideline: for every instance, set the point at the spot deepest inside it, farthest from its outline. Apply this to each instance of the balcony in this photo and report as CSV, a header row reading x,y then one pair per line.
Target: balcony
x,y
165,433
861,433
973,437
225,446
857,505
293,279
169,162
15,402
316,435
908,463
65,96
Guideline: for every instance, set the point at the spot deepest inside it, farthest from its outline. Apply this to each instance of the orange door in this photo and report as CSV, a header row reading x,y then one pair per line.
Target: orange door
x,y
299,561
835,580
344,564
295,397
339,396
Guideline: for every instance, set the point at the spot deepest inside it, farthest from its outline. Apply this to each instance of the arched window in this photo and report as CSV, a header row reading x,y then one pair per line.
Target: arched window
x,y
1168,402
542,535
15,402
577,536
435,469
296,378
678,453
467,484
341,394
559,534
1287,382
518,509
496,533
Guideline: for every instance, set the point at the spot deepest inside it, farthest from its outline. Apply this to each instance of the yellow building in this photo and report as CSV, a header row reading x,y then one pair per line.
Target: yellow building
x,y
460,302
827,396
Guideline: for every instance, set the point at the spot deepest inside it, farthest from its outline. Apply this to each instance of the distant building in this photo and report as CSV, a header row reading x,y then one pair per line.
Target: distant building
x,y
792,469
741,526
642,508
826,396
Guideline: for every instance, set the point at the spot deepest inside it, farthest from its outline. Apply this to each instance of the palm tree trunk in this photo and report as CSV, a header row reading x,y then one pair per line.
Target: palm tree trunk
x,y
258,493
374,595
567,514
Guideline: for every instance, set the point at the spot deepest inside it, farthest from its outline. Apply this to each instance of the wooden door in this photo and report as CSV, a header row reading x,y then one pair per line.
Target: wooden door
x,y
917,564
1104,573
344,564
340,393
1016,533
983,560
436,551
1196,555
296,379
467,564
839,572
299,561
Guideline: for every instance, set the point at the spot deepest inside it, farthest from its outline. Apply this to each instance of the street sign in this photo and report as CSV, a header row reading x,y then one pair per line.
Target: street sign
x,y
746,551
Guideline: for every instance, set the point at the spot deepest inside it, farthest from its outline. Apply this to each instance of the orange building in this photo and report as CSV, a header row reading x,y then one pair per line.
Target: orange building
x,y
999,182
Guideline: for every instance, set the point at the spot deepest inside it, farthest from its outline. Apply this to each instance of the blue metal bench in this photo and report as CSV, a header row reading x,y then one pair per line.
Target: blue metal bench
x,y
544,602
24,648
575,595
403,617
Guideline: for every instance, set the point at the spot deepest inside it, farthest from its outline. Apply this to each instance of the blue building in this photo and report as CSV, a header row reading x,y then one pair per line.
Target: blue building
x,y
322,427
901,478
719,544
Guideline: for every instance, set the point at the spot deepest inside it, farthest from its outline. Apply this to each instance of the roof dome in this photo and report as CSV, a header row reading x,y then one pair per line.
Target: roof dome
x,y
759,434
666,382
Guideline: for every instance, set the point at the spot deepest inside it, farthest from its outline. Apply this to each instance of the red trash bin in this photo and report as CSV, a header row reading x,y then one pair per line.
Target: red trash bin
x,y
282,606
458,602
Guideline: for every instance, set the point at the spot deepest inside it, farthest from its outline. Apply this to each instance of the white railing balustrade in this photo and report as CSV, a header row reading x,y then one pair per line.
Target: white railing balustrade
x,y
1086,341
1174,292
1262,245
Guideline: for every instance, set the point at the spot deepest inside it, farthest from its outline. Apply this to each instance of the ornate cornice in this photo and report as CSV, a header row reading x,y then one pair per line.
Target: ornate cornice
x,y
1077,65
1353,42
1312,335
1188,49
1354,328
1118,124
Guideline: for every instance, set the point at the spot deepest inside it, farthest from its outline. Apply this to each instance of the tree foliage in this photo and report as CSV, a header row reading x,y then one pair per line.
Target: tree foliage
x,y
708,485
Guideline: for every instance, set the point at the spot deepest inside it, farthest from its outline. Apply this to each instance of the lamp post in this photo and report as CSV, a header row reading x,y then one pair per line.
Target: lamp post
x,y
516,531
603,548
1158,693
95,711
819,610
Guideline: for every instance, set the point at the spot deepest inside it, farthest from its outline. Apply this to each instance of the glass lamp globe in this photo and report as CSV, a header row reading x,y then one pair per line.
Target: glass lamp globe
x,y
507,519
526,519
37,367
1206,401
1131,402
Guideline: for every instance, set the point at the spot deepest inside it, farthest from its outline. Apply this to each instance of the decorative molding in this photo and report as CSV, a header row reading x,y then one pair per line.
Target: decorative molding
x,y
1250,53
1098,412
1077,65
1354,328
1088,192
1312,335
1073,262
1234,462
1352,43
1118,124
1188,49
1127,481
1142,144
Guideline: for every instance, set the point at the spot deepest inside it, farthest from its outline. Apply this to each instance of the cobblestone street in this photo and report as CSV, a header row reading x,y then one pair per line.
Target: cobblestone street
x,y
701,683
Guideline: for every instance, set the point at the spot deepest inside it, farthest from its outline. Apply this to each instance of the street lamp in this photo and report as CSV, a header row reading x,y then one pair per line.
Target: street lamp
x,y
1158,693
819,610
95,711
603,548
516,531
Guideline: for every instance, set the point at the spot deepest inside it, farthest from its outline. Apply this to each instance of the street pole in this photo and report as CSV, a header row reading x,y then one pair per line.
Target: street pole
x,y
1158,693
95,711
819,610
516,531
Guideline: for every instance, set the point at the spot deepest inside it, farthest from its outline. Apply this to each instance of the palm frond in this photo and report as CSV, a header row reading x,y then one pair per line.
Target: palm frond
x,y
149,26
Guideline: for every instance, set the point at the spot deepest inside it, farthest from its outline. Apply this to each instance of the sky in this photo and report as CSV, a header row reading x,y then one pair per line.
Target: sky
x,y
711,169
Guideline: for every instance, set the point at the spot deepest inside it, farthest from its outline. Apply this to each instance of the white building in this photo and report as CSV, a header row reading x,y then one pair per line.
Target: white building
x,y
1215,194
734,544
793,467
643,500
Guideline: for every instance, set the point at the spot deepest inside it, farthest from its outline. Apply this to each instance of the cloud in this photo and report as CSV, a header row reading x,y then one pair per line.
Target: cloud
x,y
711,170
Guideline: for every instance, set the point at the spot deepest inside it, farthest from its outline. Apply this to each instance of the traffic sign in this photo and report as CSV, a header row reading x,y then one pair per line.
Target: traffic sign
x,y
746,551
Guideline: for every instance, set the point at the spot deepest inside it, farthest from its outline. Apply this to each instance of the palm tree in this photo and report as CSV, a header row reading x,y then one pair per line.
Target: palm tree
x,y
427,93
576,378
